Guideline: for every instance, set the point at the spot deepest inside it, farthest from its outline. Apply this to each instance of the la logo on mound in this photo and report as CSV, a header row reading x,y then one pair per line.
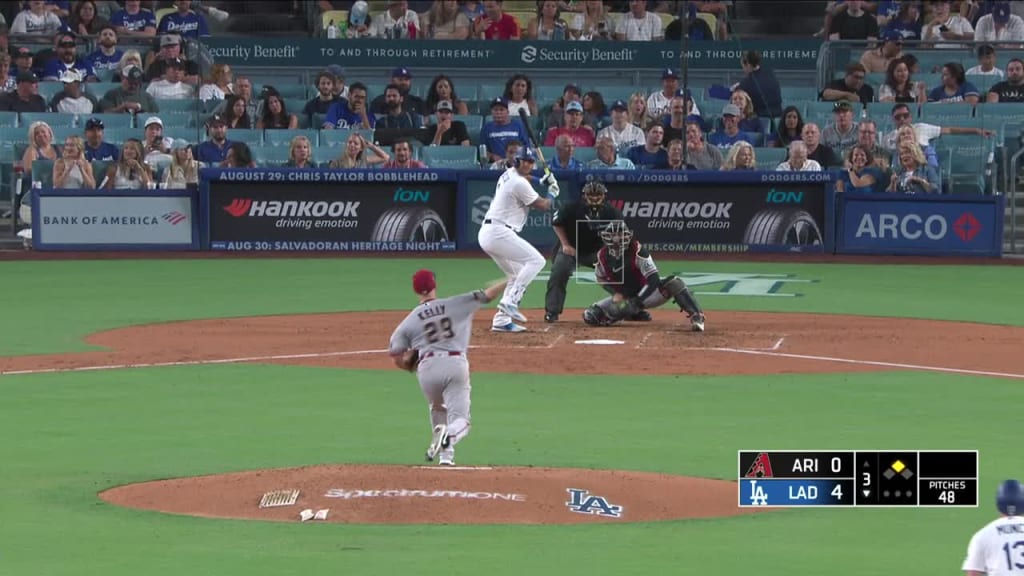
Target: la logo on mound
x,y
529,54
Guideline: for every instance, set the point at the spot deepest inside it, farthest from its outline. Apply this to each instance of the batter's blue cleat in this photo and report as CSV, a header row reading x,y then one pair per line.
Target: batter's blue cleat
x,y
510,327
513,311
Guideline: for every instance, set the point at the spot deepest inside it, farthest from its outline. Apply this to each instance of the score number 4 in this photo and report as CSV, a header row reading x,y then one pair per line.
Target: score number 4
x,y
1011,552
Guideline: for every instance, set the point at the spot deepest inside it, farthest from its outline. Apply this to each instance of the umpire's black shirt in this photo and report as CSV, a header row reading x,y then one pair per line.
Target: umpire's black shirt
x,y
589,239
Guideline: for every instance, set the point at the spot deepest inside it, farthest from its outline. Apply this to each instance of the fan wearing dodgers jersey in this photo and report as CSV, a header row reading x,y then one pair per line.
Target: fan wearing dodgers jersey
x,y
514,196
998,548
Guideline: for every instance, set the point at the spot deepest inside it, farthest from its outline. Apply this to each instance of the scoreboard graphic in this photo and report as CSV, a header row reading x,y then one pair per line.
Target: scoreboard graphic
x,y
886,478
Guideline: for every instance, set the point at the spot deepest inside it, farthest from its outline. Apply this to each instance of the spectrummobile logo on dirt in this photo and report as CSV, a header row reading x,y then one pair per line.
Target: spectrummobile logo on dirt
x,y
350,494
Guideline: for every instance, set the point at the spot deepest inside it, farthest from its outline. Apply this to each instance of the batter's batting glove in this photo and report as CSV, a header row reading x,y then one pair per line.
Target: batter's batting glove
x,y
549,180
553,190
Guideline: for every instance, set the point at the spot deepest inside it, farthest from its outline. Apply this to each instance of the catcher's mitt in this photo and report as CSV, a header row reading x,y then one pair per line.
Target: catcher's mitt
x,y
411,359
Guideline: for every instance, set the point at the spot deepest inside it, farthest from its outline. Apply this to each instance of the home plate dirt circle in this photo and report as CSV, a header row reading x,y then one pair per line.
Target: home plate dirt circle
x,y
391,494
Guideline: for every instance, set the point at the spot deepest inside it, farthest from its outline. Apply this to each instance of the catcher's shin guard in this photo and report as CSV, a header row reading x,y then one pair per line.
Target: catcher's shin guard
x,y
681,295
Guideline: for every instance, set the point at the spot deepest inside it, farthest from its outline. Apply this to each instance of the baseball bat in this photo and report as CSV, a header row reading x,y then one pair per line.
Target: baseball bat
x,y
533,139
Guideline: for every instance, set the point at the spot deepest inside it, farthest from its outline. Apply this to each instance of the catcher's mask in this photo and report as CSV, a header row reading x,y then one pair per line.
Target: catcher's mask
x,y
594,194
616,236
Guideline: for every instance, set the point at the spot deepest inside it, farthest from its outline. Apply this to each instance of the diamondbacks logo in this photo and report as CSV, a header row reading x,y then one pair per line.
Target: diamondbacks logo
x,y
174,217
529,54
582,503
761,467
238,207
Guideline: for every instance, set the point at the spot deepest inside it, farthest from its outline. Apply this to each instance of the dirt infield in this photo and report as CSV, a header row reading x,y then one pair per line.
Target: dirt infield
x,y
441,495
735,343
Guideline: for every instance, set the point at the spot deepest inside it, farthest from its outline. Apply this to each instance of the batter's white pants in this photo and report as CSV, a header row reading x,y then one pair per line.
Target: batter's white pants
x,y
517,258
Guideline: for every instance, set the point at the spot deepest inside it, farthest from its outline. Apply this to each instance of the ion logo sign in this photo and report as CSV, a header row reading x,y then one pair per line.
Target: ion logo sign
x,y
782,197
403,196
910,227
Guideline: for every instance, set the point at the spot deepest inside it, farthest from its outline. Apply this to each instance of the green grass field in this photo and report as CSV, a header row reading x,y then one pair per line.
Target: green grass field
x,y
68,436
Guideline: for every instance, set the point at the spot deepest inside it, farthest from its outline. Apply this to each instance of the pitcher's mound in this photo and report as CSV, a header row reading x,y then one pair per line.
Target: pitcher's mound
x,y
440,495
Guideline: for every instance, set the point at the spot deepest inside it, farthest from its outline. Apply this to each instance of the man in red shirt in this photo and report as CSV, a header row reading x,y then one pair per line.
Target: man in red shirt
x,y
495,24
403,157
582,136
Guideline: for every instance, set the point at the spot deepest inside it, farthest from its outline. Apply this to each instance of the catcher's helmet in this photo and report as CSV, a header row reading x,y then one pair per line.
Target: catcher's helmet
x,y
594,194
616,236
525,154
1010,498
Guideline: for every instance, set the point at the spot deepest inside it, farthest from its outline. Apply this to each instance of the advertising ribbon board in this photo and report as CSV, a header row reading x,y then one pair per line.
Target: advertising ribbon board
x,y
115,220
331,211
957,225
723,212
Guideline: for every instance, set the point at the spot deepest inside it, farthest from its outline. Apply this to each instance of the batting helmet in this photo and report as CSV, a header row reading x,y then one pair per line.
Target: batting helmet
x,y
1010,498
525,154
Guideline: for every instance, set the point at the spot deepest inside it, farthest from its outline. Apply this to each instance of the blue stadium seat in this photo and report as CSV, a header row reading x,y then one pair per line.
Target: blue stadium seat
x,y
769,158
51,118
42,171
98,89
1001,113
190,134
284,137
323,155
62,132
109,120
792,94
270,155
942,113
983,82
333,138
180,105
288,91
454,157
611,93
473,126
49,89
882,111
8,119
585,154
968,160
117,136
252,138
490,91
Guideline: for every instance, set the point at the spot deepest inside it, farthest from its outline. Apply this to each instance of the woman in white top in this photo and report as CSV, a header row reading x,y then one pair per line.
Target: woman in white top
x,y
547,24
219,84
129,173
183,170
72,170
519,94
594,23
354,155
445,21
639,25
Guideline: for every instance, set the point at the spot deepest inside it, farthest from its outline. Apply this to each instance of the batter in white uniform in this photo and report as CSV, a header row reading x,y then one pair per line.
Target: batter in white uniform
x,y
439,331
514,196
998,548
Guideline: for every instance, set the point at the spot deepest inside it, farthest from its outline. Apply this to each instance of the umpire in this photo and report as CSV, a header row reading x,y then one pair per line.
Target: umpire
x,y
578,225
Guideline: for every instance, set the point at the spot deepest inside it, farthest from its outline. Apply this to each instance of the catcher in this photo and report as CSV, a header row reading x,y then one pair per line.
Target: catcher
x,y
626,271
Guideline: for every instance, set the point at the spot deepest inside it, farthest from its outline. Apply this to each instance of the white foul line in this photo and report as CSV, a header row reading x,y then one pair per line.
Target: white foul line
x,y
869,362
192,362
555,341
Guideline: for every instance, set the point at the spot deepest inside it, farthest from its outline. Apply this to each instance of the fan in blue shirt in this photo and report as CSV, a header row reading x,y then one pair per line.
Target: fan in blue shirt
x,y
954,87
133,19
650,156
500,130
95,148
349,113
65,60
730,134
184,22
215,150
102,62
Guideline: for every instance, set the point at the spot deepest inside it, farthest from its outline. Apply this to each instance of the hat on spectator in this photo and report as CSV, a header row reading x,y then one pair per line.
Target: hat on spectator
x,y
685,93
94,124
731,110
499,101
180,144
571,88
336,70
216,119
360,10
445,105
620,105
22,52
132,72
889,35
401,72
176,63
842,106
66,39
170,40
153,120
574,106
423,281
669,74
27,76
70,76
1001,12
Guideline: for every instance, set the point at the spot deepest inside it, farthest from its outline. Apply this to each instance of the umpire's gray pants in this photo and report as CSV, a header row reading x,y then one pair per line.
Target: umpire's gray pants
x,y
444,381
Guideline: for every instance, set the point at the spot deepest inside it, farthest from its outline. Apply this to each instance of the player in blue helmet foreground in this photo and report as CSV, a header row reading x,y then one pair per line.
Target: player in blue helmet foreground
x,y
626,270
998,548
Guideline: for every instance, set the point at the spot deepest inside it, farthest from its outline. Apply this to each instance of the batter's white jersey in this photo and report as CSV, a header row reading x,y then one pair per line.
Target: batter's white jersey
x,y
998,548
512,198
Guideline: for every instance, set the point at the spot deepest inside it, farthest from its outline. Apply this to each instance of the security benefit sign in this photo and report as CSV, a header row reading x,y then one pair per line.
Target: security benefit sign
x,y
94,220
332,211
936,225
690,213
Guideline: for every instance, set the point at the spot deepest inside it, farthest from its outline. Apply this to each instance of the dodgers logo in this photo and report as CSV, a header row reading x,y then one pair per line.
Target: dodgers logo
x,y
757,495
581,502
529,54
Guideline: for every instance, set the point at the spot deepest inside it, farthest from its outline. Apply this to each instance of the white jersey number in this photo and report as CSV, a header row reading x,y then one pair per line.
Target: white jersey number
x,y
1014,555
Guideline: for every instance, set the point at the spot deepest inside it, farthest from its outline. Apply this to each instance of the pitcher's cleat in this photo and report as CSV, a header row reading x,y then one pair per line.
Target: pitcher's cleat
x,y
437,442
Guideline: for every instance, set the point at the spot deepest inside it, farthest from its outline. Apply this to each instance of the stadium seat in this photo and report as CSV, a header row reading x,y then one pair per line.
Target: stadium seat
x,y
117,136
323,155
488,92
109,120
8,119
49,89
712,22
585,154
547,92
99,171
795,94
613,93
1001,113
252,138
270,155
178,105
98,89
62,132
983,82
941,113
882,111
42,171
453,157
968,161
473,126
51,118
181,131
333,138
769,158
284,137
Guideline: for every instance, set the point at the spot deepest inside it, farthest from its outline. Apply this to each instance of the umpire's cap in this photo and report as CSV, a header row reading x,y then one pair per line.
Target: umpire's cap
x,y
423,282
1010,498
525,154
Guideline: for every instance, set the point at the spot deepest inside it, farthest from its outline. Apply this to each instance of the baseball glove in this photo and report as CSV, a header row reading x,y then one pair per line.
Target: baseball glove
x,y
411,359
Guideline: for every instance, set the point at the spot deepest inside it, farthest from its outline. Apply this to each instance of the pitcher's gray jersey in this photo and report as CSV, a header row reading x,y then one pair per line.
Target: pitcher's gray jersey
x,y
442,325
